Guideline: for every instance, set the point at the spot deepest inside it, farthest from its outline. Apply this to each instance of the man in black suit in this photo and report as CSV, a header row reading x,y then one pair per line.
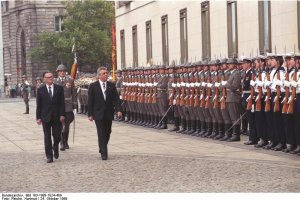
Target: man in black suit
x,y
103,98
50,112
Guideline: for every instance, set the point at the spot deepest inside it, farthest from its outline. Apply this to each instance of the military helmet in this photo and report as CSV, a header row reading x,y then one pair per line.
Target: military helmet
x,y
61,67
231,61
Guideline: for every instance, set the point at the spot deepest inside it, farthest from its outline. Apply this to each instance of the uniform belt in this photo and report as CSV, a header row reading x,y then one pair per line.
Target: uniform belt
x,y
161,89
246,92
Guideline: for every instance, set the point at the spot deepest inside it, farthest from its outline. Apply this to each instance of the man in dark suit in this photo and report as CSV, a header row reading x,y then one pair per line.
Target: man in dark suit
x,y
103,98
50,112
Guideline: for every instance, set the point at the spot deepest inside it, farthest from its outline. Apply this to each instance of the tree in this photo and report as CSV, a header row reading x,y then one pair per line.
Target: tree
x,y
89,23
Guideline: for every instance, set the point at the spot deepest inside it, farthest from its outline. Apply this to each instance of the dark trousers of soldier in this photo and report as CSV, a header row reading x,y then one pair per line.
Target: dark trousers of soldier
x,y
250,117
244,120
288,124
279,136
260,122
26,101
234,109
182,116
162,110
65,133
297,119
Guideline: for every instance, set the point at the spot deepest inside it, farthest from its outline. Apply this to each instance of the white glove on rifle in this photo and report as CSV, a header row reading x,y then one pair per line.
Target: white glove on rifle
x,y
252,83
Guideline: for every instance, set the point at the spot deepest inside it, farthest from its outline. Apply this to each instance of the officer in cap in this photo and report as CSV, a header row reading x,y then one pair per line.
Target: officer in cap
x,y
25,92
70,102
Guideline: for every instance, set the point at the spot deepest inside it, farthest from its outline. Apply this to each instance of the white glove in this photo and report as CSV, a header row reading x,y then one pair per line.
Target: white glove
x,y
259,83
75,111
155,84
178,84
267,83
294,83
174,102
209,85
203,84
197,84
183,84
188,85
174,85
252,83
224,83
287,84
192,84
121,97
278,83
248,98
217,84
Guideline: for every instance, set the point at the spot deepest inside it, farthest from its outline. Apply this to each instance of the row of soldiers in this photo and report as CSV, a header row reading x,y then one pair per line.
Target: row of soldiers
x,y
209,99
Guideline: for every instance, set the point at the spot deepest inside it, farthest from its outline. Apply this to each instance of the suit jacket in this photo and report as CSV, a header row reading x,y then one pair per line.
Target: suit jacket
x,y
69,93
233,86
99,108
47,109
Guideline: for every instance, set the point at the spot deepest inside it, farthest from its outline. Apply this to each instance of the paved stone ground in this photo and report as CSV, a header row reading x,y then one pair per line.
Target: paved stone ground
x,y
140,160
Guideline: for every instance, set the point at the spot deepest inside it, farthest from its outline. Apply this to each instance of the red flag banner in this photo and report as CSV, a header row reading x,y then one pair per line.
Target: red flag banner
x,y
74,70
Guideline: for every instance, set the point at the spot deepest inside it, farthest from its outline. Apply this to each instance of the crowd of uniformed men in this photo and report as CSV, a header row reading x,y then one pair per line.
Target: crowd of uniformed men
x,y
219,99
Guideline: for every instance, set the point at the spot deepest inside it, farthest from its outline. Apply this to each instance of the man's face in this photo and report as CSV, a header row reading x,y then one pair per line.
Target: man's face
x,y
273,62
61,73
291,62
103,75
48,78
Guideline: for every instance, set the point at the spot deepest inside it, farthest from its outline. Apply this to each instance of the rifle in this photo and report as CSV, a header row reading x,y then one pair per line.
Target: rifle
x,y
154,95
182,96
290,109
207,100
250,100
224,93
202,102
277,97
197,90
171,97
287,94
268,102
192,98
216,98
260,93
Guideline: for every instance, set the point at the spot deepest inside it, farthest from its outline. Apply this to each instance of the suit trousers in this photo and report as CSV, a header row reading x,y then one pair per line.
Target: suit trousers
x,y
56,130
103,131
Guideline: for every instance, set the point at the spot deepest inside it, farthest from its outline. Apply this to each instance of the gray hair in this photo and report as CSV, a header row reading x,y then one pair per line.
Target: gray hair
x,y
101,68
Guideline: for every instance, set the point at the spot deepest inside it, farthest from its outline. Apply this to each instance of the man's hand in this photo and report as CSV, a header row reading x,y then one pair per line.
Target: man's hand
x,y
91,118
119,114
39,121
62,119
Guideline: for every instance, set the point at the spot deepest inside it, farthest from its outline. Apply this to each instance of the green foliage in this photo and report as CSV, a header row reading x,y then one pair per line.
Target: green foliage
x,y
89,22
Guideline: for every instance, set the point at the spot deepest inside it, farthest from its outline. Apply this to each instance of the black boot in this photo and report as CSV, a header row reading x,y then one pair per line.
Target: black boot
x,y
188,124
197,128
163,124
63,141
193,127
27,110
176,125
208,129
279,147
236,134
215,130
203,129
227,132
261,143
220,133
295,151
183,126
289,147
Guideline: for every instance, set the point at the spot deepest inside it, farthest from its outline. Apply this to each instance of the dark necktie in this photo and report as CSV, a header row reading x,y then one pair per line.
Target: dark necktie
x,y
50,92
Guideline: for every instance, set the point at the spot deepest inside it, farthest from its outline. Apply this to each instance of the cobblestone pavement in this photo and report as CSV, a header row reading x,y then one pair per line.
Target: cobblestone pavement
x,y
140,160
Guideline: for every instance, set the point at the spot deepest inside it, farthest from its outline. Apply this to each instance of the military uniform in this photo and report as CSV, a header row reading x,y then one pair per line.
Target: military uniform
x,y
70,95
25,92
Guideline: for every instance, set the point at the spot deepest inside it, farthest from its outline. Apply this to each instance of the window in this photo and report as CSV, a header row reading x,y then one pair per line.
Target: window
x,y
183,36
4,6
59,23
298,15
264,18
148,41
134,47
205,30
122,40
232,29
165,39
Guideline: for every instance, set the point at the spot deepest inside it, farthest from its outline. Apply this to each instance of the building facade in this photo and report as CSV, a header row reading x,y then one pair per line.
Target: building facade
x,y
162,32
22,21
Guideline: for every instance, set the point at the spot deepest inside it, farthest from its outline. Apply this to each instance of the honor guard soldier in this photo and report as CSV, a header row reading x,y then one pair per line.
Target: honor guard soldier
x,y
233,99
25,93
119,83
175,97
70,103
260,93
248,98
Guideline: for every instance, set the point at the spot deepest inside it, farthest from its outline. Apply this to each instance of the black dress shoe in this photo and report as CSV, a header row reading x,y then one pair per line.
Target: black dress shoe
x,y
295,151
103,157
234,138
279,147
67,146
49,160
56,155
250,142
261,144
